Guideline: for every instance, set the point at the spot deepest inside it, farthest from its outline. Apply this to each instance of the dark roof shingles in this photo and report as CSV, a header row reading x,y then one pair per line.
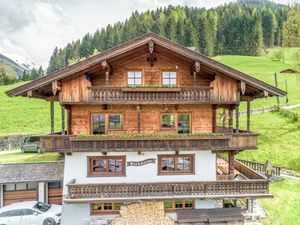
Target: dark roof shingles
x,y
29,172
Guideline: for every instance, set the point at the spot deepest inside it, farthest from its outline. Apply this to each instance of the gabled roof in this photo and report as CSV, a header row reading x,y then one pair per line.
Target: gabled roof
x,y
31,172
135,43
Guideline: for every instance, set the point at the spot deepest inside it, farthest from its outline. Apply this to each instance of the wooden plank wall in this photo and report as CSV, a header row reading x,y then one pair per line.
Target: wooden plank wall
x,y
224,89
150,75
11,197
200,115
75,90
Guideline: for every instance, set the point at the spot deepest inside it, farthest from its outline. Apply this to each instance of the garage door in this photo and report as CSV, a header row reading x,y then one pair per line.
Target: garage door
x,y
55,192
19,192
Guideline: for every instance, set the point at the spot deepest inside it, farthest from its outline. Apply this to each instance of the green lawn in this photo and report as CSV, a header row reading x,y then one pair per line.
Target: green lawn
x,y
279,140
284,208
19,115
29,157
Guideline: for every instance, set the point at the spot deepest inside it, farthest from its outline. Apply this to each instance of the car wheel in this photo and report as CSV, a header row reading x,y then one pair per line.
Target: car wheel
x,y
49,221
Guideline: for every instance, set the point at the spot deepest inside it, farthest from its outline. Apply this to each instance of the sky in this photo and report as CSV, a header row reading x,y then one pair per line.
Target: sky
x,y
30,29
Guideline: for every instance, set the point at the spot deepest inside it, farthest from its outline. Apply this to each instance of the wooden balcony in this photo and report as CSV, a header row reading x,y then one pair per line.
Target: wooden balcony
x,y
163,191
182,95
66,143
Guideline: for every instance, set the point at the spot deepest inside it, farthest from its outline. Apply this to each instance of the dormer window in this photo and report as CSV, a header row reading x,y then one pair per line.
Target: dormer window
x,y
134,78
169,78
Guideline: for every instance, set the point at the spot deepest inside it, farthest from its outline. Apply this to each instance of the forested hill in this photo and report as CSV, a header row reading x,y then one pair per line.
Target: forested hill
x,y
244,28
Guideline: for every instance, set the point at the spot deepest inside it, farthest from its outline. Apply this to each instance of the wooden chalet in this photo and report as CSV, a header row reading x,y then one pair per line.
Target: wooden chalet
x,y
146,121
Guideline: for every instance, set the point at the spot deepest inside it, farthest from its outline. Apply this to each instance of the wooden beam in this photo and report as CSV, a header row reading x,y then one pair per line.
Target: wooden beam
x,y
29,93
139,118
230,113
56,86
237,113
107,67
52,116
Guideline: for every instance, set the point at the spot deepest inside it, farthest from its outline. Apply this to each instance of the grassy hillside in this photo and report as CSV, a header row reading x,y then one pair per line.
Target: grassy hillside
x,y
20,115
284,208
263,68
279,140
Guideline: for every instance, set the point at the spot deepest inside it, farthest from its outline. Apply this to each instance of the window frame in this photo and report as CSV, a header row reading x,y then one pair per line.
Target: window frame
x,y
134,78
92,122
105,174
190,122
121,120
161,121
175,157
182,208
169,79
102,211
17,189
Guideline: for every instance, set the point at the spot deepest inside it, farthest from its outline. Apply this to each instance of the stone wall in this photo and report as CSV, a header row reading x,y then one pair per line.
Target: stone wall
x,y
11,142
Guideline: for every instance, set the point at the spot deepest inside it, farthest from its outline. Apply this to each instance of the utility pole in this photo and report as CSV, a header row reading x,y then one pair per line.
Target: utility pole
x,y
276,85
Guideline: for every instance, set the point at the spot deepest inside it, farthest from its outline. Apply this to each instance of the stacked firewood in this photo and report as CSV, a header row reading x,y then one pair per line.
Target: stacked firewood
x,y
143,213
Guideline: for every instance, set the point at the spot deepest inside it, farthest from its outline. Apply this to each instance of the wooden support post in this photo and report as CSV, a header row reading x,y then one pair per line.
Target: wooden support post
x,y
52,115
69,121
230,122
194,78
230,163
62,119
107,78
237,114
248,115
214,118
139,118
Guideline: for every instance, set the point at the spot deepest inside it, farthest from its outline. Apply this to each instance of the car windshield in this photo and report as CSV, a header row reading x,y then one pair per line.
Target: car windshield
x,y
43,207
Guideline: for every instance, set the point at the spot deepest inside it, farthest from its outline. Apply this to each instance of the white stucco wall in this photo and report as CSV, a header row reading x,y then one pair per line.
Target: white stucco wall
x,y
41,192
76,168
75,214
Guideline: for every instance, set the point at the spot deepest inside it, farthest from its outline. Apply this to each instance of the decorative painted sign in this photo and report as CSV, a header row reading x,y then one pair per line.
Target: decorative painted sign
x,y
141,163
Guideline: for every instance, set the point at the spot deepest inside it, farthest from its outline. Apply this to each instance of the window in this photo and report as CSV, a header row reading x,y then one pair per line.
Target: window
x,y
183,124
115,121
98,124
167,121
20,186
175,164
134,78
106,207
106,166
31,186
41,206
173,205
28,212
55,184
169,79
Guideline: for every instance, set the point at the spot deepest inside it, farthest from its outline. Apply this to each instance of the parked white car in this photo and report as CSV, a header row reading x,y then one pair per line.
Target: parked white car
x,y
30,213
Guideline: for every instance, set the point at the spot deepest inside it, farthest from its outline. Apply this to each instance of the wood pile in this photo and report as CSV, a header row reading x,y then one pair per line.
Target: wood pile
x,y
143,213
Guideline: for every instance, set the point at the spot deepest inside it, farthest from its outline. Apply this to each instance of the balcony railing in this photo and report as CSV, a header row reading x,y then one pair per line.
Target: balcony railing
x,y
66,143
164,191
118,95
